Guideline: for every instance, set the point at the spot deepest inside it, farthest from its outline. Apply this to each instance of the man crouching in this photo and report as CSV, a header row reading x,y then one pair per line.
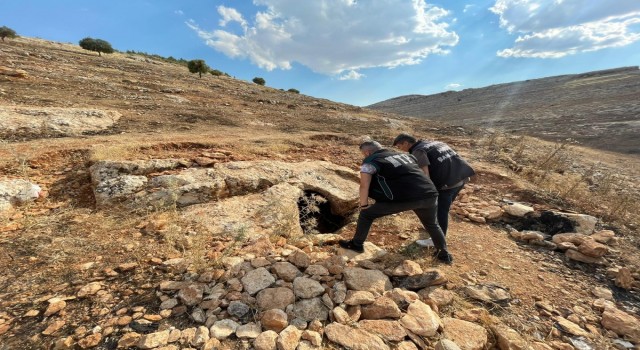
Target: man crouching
x,y
397,184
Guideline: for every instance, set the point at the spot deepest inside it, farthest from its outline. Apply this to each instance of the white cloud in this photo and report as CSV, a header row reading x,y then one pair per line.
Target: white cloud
x,y
468,8
352,75
179,12
453,86
557,28
334,36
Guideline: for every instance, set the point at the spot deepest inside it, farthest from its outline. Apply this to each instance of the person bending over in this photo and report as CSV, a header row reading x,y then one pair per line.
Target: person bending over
x,y
396,183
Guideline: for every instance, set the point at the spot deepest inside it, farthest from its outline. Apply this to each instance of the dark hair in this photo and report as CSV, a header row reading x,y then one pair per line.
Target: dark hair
x,y
404,137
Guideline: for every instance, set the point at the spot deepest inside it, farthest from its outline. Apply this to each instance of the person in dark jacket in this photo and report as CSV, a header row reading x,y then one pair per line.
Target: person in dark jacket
x,y
397,184
446,169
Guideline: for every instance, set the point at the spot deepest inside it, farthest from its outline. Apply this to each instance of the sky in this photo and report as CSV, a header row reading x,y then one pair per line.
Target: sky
x,y
355,51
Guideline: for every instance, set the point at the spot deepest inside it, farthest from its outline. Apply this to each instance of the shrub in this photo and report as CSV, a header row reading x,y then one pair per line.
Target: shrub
x,y
295,91
6,32
259,81
216,72
197,66
97,45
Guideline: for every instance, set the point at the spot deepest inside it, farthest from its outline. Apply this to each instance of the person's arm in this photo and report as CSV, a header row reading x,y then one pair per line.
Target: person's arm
x,y
365,182
425,170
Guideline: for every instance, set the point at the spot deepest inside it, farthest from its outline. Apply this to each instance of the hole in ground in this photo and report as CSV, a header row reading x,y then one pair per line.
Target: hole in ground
x,y
546,222
316,215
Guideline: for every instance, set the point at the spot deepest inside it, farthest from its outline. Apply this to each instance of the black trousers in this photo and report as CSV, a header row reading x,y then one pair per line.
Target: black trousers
x,y
445,199
425,209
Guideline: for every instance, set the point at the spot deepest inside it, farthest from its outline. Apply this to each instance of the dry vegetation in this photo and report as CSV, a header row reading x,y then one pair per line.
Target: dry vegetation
x,y
44,245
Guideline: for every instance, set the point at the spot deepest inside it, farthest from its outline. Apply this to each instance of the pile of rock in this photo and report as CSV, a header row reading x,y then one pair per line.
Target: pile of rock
x,y
473,208
297,300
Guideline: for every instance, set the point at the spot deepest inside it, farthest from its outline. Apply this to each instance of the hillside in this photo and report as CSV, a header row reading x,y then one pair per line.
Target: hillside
x,y
598,109
142,207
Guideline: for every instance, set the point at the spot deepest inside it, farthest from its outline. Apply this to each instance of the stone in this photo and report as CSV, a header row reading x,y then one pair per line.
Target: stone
x,y
621,323
257,280
406,345
223,329
517,209
602,293
467,335
260,262
313,337
64,344
275,320
16,192
368,280
89,289
200,336
421,319
382,308
531,236
275,298
593,249
441,296
91,341
306,288
339,292
128,340
429,278
359,297
387,330
354,338
446,344
577,256
237,308
299,259
16,73
509,339
266,341
316,270
340,315
407,268
249,330
191,294
55,305
623,278
371,252
212,344
575,238
153,340
169,304
54,327
311,309
488,293
289,338
584,224
286,271
604,236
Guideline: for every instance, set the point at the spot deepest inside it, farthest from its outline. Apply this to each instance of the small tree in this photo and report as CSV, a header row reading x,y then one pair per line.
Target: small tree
x,y
295,91
96,45
6,32
259,81
216,72
197,66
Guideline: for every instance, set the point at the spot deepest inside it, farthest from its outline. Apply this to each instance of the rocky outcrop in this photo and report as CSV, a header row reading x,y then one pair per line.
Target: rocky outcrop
x,y
17,192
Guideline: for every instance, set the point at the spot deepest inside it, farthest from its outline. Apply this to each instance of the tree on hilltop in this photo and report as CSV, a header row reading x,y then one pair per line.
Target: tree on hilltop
x,y
197,66
6,32
259,81
96,45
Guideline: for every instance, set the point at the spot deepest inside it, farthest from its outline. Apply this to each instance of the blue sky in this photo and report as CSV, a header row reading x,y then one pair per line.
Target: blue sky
x,y
355,51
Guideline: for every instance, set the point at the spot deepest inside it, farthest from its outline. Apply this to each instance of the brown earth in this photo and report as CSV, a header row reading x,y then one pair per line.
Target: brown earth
x,y
166,112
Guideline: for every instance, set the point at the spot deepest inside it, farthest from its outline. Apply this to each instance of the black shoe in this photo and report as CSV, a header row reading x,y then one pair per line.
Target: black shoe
x,y
443,256
348,244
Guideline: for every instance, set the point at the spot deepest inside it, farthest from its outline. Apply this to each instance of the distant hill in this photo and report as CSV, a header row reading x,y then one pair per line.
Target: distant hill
x,y
599,109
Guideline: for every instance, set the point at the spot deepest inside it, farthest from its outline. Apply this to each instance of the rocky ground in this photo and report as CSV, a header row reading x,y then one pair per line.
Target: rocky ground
x,y
206,217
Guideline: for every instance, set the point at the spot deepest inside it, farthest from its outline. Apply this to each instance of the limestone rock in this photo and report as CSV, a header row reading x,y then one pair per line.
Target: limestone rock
x,y
467,335
17,192
306,288
406,345
577,256
311,309
593,249
266,341
570,327
313,337
603,293
257,280
89,289
441,296
623,278
382,308
575,238
55,306
584,224
286,270
604,236
359,297
509,339
153,340
128,340
191,294
250,330
621,323
371,252
341,316
407,268
289,338
446,344
316,270
275,298
368,280
90,341
222,329
429,278
275,320
517,209
488,293
353,338
387,330
421,319
300,259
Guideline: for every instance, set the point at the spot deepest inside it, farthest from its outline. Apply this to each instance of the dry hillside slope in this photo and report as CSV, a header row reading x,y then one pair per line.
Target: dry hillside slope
x,y
142,207
598,109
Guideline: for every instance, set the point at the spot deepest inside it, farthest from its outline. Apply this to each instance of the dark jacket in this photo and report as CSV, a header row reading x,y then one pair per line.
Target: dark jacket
x,y
446,167
398,178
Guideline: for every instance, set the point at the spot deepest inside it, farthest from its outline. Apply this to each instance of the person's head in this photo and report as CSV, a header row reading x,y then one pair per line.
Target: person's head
x,y
404,142
369,147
